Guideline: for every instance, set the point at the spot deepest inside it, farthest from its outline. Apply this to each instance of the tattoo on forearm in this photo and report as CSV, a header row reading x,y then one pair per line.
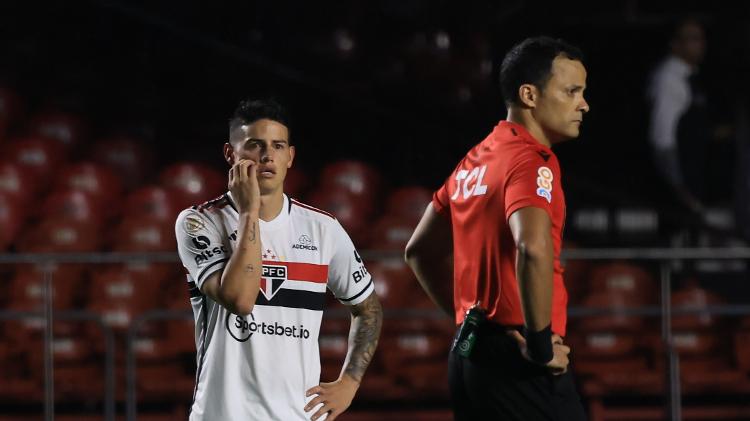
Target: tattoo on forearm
x,y
249,269
363,338
252,233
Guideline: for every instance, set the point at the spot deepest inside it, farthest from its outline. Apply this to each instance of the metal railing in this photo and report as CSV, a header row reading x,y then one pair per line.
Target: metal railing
x,y
664,256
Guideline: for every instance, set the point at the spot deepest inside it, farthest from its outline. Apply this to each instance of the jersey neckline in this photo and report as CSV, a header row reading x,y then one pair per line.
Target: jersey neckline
x,y
279,221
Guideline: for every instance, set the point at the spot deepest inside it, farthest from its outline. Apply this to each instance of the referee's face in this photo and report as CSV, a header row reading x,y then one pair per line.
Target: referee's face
x,y
561,105
267,143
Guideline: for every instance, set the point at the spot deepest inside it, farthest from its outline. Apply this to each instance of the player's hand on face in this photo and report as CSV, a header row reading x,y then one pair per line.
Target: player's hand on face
x,y
559,363
335,397
243,183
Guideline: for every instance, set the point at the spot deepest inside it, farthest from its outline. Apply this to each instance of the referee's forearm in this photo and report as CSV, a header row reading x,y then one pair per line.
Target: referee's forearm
x,y
534,269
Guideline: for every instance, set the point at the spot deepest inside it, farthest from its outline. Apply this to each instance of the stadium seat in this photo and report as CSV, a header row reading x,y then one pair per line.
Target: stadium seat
x,y
11,220
742,345
129,158
192,183
396,285
345,207
60,236
98,181
66,128
357,178
391,233
74,205
138,234
625,279
414,351
19,183
41,156
409,203
153,202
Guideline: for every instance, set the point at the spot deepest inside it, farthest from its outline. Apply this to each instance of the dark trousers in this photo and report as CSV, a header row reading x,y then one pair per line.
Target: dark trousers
x,y
497,383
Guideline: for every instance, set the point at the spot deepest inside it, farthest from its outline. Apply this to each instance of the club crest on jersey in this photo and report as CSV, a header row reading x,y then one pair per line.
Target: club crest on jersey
x,y
272,279
544,183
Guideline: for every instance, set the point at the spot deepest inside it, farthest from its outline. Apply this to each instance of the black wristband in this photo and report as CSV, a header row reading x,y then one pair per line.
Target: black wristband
x,y
539,345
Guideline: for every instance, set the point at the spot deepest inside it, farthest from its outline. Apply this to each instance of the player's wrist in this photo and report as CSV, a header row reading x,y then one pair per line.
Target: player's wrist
x,y
252,214
539,345
349,380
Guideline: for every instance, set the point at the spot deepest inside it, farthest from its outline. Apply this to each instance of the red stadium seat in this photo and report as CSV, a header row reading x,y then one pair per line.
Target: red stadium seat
x,y
391,233
11,220
74,205
98,181
119,284
616,319
627,279
193,183
396,285
409,202
414,352
144,235
66,128
153,202
357,178
345,207
40,155
129,158
18,182
137,234
60,236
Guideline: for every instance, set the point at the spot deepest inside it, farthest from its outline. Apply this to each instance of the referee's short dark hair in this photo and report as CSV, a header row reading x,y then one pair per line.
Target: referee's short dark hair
x,y
251,110
530,61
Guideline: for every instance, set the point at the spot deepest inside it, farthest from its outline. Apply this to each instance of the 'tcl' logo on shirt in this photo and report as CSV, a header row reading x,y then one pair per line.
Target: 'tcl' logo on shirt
x,y
470,183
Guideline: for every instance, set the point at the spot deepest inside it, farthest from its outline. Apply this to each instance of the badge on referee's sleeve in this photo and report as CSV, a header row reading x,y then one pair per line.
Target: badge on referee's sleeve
x,y
544,183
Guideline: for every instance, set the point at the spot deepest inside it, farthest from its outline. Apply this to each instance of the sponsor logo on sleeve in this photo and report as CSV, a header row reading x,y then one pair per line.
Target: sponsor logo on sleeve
x,y
544,183
203,243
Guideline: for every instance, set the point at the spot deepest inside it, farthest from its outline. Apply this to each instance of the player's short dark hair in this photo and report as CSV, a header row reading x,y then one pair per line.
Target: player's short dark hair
x,y
530,61
249,111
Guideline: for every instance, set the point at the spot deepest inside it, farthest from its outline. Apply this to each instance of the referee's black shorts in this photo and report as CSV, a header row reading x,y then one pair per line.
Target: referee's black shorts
x,y
497,383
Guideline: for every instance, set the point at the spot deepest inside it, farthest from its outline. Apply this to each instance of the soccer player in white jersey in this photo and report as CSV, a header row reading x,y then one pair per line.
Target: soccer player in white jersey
x,y
258,267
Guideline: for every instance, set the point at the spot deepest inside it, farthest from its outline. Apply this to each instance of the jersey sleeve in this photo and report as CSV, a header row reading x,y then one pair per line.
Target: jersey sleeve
x,y
200,245
440,200
531,182
347,277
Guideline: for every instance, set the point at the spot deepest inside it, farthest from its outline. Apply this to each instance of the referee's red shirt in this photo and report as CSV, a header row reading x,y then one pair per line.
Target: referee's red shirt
x,y
507,171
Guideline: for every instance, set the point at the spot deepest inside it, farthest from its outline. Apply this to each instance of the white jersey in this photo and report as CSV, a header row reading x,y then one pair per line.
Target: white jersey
x,y
260,366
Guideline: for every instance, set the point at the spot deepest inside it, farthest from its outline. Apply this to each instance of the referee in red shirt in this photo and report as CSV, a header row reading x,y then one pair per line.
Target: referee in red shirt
x,y
489,246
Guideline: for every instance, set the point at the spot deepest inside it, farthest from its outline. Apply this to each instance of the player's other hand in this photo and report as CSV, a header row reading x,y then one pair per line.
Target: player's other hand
x,y
243,183
559,363
335,397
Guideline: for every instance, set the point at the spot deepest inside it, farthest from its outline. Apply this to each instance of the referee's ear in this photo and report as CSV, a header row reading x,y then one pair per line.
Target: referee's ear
x,y
528,94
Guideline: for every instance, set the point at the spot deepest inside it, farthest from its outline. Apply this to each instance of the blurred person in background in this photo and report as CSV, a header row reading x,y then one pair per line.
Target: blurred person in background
x,y
258,266
487,248
680,128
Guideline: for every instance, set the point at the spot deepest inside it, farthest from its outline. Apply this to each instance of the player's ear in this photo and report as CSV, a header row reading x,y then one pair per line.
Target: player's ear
x,y
229,153
291,157
528,95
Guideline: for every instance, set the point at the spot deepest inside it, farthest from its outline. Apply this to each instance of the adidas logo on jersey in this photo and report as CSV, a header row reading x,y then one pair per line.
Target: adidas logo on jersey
x,y
305,243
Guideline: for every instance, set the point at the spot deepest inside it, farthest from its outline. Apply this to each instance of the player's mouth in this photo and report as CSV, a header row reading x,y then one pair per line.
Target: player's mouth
x,y
266,172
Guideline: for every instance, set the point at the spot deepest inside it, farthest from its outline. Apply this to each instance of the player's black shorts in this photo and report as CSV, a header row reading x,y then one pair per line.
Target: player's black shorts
x,y
497,383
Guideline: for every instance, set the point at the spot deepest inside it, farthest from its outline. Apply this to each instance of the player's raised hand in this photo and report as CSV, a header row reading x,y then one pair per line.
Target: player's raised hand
x,y
335,397
243,183
559,363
